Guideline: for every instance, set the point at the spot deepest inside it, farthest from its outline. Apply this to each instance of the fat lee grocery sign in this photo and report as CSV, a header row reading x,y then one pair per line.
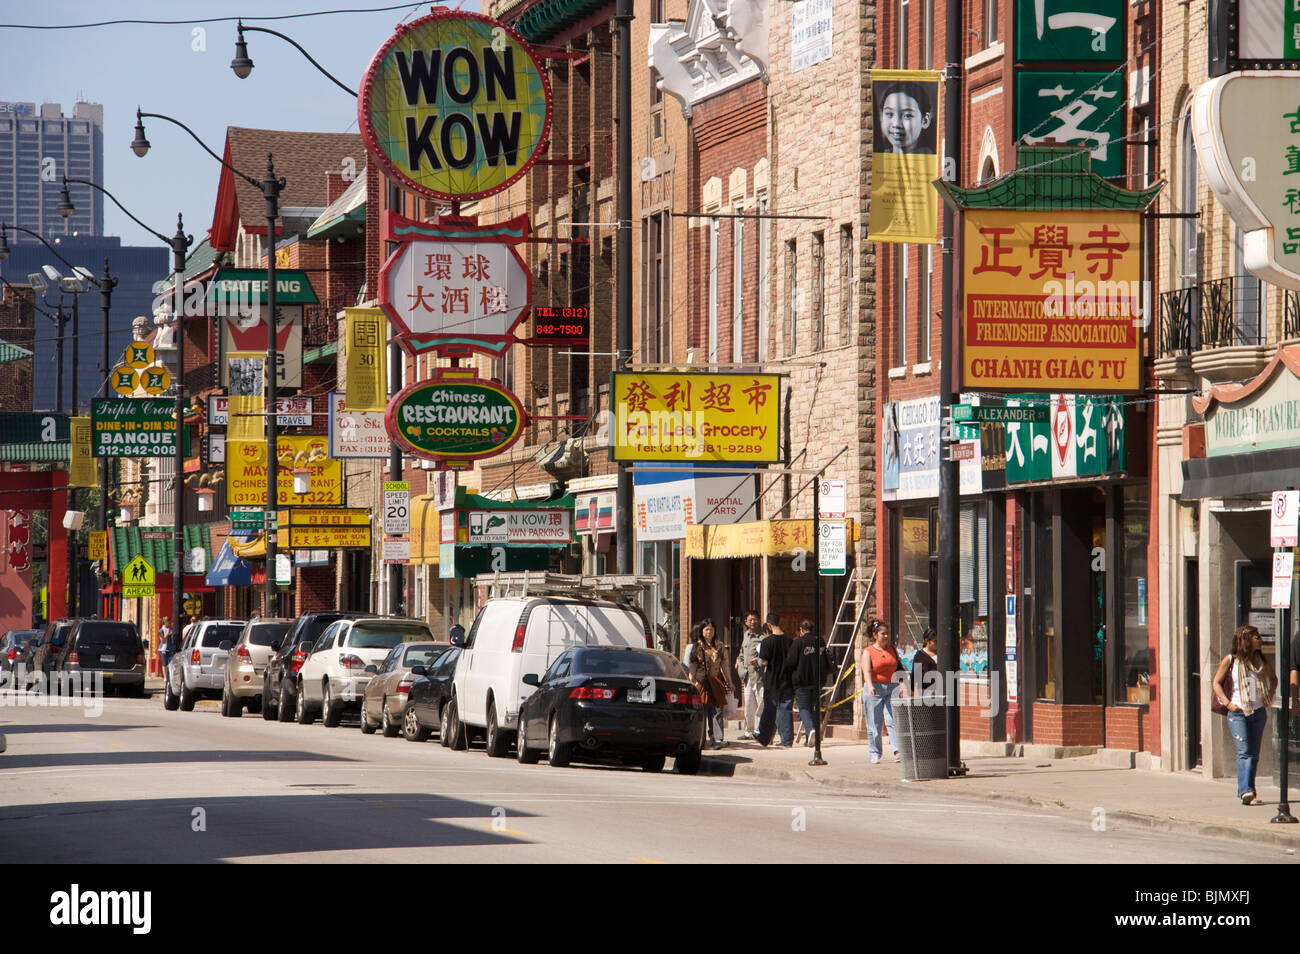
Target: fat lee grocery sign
x,y
133,427
706,417
1053,301
455,419
455,105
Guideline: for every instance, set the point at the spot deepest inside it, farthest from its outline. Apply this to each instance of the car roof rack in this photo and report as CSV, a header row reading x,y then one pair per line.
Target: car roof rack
x,y
618,587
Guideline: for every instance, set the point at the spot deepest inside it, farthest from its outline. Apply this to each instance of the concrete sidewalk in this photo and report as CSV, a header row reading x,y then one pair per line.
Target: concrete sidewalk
x,y
1087,786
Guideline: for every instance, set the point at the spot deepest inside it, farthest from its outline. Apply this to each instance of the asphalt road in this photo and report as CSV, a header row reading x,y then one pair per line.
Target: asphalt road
x,y
139,784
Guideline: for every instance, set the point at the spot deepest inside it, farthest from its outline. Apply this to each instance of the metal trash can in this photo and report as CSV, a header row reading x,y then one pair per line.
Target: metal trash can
x,y
922,736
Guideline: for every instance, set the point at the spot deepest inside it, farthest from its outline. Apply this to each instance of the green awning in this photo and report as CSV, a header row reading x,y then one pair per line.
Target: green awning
x,y
12,352
312,355
345,217
155,544
39,452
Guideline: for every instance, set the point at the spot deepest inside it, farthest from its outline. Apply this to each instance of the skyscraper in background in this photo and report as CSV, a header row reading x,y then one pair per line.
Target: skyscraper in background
x,y
38,147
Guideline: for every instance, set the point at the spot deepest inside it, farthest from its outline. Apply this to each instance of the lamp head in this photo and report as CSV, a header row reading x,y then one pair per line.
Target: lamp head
x,y
52,273
37,281
139,145
66,208
241,64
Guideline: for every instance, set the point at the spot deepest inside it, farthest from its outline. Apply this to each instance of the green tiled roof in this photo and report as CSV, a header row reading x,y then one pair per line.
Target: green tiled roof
x,y
546,18
312,355
203,257
38,452
11,352
129,542
1049,178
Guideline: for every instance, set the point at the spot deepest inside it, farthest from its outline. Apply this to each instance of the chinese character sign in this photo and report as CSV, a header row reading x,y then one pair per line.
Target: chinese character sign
x,y
1070,31
1083,109
905,161
367,375
1052,301
1247,132
707,417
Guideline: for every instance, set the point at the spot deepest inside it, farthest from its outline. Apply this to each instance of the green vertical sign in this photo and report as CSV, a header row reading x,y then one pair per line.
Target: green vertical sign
x,y
1057,31
1290,30
1083,109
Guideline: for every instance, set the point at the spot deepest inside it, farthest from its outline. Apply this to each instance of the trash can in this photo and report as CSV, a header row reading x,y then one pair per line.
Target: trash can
x,y
922,736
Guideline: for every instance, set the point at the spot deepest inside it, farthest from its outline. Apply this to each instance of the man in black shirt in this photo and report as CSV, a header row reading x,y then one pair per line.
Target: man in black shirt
x,y
778,686
808,663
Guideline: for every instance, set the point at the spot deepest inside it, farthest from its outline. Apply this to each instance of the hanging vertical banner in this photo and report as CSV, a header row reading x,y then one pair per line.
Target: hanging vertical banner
x,y
82,469
367,376
905,160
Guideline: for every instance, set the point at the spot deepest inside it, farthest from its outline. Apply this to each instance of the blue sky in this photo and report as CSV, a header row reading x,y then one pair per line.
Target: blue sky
x,y
183,70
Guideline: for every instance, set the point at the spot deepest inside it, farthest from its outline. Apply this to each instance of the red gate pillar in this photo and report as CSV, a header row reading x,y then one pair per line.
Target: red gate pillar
x,y
58,547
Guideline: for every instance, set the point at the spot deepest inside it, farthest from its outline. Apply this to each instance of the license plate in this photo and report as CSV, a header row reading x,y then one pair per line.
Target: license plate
x,y
107,658
641,695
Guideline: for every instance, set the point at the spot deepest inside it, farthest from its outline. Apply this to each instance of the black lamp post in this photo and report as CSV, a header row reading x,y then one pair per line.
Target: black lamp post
x,y
179,245
270,186
242,65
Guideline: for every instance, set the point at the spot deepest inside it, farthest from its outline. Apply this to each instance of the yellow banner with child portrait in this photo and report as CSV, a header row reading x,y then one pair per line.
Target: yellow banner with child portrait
x,y
905,157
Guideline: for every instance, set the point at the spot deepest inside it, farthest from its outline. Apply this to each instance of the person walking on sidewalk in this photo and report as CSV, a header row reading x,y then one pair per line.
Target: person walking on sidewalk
x,y
808,661
709,668
1244,684
778,686
879,662
926,661
751,675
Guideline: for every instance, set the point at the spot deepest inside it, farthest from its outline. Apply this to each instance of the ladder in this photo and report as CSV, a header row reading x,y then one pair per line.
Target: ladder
x,y
525,583
849,619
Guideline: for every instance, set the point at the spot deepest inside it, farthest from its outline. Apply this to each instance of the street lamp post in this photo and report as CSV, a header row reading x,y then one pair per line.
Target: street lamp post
x,y
179,245
271,187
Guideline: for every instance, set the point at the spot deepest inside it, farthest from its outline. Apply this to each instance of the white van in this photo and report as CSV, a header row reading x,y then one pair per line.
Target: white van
x,y
514,636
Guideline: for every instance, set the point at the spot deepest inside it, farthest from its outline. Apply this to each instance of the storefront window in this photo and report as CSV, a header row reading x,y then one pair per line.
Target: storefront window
x,y
915,590
974,589
1134,646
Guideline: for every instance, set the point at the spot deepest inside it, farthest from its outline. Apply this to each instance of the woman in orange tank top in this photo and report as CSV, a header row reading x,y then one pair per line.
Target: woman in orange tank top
x,y
879,662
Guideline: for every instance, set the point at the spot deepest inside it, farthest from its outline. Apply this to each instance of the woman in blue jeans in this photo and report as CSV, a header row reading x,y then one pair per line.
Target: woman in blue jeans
x,y
879,662
1244,684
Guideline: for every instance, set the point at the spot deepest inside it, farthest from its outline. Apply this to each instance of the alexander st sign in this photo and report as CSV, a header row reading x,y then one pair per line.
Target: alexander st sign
x,y
999,414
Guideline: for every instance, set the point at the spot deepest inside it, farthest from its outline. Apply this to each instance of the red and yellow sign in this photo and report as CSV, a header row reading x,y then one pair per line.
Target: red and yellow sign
x,y
323,538
756,538
1053,301
246,472
705,417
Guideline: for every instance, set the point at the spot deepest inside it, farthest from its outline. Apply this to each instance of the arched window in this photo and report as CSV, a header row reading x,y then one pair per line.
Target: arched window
x,y
1188,250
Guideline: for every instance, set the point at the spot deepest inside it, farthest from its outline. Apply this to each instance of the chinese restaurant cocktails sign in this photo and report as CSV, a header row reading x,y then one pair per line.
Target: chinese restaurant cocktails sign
x,y
1053,301
703,417
455,105
455,418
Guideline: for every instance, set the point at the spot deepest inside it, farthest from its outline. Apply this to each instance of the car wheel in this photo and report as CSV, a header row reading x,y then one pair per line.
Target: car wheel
x,y
187,698
230,706
367,726
525,755
305,716
454,729
653,763
688,763
498,739
171,702
558,753
444,727
284,712
386,723
331,713
411,727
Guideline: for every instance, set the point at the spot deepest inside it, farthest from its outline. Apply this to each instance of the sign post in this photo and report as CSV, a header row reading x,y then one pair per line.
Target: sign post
x,y
1284,533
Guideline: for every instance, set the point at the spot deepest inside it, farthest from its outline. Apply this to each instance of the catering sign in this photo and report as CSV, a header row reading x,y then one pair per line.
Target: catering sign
x,y
455,418
1053,301
246,472
455,286
133,427
701,417
455,105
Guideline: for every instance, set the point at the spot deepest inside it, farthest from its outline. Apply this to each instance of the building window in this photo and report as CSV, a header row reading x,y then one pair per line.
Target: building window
x,y
973,588
655,324
1136,659
713,291
819,288
925,304
903,9
1189,247
916,591
792,294
901,327
764,287
846,284
737,286
656,106
990,22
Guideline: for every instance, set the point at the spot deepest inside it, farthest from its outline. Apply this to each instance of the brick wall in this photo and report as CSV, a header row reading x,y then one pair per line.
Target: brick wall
x,y
1126,727
314,592
1067,725
17,326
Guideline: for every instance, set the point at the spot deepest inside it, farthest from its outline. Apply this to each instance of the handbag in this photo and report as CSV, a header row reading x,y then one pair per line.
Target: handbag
x,y
1217,707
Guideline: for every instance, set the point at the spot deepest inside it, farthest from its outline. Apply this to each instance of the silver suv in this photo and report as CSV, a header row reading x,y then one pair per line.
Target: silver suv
x,y
246,665
199,669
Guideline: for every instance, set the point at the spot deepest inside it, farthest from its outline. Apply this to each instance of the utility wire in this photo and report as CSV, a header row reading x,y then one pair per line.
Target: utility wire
x,y
142,22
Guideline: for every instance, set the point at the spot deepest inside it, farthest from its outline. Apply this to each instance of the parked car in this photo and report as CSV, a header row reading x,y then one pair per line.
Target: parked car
x,y
334,678
109,648
596,704
14,649
518,635
199,669
429,695
383,703
246,665
49,649
280,682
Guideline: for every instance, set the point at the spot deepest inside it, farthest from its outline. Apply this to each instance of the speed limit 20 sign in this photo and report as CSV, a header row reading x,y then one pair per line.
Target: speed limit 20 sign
x,y
397,508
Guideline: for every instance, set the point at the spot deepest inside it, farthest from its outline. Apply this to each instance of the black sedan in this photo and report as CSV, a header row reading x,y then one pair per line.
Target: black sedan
x,y
428,694
613,703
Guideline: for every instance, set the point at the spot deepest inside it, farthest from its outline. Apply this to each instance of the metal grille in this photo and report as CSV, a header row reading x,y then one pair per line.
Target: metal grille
x,y
922,740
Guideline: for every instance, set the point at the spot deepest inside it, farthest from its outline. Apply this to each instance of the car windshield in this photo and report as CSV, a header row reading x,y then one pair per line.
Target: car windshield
x,y
97,638
216,635
421,655
624,662
382,634
316,625
264,634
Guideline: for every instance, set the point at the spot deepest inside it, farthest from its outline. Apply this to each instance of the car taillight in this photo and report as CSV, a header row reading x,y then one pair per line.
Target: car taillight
x,y
194,657
243,653
683,698
591,692
518,645
405,684
12,654
351,662
296,661
72,657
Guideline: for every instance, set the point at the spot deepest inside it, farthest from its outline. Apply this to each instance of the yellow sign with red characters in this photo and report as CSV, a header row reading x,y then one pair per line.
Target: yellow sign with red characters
x,y
246,472
1053,301
706,417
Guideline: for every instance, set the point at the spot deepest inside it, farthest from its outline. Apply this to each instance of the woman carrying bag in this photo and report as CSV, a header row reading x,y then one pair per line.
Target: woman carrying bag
x,y
710,666
1243,686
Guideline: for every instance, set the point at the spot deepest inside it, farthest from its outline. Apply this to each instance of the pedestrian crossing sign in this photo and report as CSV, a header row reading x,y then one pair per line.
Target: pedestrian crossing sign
x,y
138,578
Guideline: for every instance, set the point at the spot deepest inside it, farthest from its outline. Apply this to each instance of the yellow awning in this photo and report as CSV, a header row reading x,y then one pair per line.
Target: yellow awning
x,y
755,538
424,530
255,547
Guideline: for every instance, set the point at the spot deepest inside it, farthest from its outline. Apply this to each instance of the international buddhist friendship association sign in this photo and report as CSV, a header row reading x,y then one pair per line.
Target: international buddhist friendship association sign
x,y
1053,301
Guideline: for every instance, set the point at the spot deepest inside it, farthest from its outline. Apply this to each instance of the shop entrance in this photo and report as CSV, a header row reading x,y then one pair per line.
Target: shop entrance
x,y
1192,658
